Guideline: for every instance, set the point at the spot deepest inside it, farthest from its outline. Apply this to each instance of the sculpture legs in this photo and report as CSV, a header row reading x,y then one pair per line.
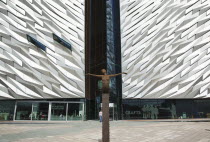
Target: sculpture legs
x,y
105,114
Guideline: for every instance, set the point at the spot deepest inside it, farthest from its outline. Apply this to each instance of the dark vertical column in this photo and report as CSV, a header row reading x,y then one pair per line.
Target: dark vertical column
x,y
87,54
95,51
117,45
115,63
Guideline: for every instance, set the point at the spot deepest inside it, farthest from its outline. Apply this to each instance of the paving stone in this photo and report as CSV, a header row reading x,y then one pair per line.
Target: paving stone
x,y
121,131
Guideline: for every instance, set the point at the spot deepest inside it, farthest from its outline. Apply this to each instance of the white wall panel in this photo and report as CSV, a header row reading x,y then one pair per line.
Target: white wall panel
x,y
26,71
165,48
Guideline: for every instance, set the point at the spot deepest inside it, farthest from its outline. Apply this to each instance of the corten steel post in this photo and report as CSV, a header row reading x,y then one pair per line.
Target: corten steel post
x,y
105,117
105,103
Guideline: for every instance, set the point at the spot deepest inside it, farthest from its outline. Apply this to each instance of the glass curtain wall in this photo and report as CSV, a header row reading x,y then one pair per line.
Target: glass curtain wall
x,y
114,53
165,109
40,110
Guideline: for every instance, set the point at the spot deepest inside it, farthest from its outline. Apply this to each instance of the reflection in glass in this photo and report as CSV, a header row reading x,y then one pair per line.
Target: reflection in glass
x,y
156,112
201,109
58,111
184,109
75,111
40,111
7,110
23,111
165,109
173,111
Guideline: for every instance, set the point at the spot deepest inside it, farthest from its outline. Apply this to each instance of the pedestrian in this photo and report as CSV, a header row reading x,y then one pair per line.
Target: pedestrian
x,y
100,116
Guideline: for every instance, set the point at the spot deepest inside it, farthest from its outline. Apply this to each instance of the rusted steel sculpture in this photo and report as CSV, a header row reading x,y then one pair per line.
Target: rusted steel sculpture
x,y
105,102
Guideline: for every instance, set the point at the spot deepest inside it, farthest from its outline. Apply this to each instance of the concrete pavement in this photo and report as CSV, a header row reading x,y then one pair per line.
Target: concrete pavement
x,y
121,131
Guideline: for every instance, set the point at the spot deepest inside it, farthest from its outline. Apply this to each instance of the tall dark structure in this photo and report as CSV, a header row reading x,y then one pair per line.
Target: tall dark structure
x,y
102,50
114,54
95,51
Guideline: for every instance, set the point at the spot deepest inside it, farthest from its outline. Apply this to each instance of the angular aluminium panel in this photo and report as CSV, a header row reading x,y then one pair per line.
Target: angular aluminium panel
x,y
33,65
165,48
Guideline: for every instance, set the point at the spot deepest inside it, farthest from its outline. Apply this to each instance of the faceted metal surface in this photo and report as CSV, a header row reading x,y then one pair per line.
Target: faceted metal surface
x,y
26,71
165,48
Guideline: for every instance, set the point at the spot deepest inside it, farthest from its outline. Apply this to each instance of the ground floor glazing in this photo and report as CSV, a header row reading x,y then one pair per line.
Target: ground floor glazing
x,y
42,110
165,108
68,110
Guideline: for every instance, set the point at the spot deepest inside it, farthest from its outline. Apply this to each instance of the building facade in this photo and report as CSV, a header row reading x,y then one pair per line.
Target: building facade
x,y
165,50
47,46
42,60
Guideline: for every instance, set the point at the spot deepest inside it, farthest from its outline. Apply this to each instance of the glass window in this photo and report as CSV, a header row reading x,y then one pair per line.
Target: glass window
x,y
184,108
75,111
36,43
132,109
62,41
23,111
58,111
201,109
7,110
149,109
40,111
166,108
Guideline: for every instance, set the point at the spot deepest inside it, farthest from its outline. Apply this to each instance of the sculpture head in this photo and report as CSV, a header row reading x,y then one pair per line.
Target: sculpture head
x,y
103,71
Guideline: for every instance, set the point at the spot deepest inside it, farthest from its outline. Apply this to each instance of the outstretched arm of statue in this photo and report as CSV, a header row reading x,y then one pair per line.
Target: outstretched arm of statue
x,y
117,74
94,75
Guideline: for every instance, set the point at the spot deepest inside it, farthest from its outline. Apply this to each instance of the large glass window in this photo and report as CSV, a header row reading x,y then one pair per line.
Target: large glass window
x,y
184,108
149,109
40,111
75,111
165,109
201,109
23,111
132,109
7,110
58,111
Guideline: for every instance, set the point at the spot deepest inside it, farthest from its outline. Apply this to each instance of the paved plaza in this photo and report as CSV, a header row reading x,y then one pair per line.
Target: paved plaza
x,y
121,131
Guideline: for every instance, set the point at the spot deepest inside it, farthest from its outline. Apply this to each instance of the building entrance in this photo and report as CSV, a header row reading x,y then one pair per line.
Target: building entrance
x,y
112,114
111,111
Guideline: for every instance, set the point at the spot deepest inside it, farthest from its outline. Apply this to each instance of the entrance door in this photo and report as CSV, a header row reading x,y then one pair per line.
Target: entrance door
x,y
111,111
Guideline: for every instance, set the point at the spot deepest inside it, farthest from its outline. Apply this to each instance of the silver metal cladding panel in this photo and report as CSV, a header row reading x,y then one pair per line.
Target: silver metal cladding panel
x,y
165,48
28,72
